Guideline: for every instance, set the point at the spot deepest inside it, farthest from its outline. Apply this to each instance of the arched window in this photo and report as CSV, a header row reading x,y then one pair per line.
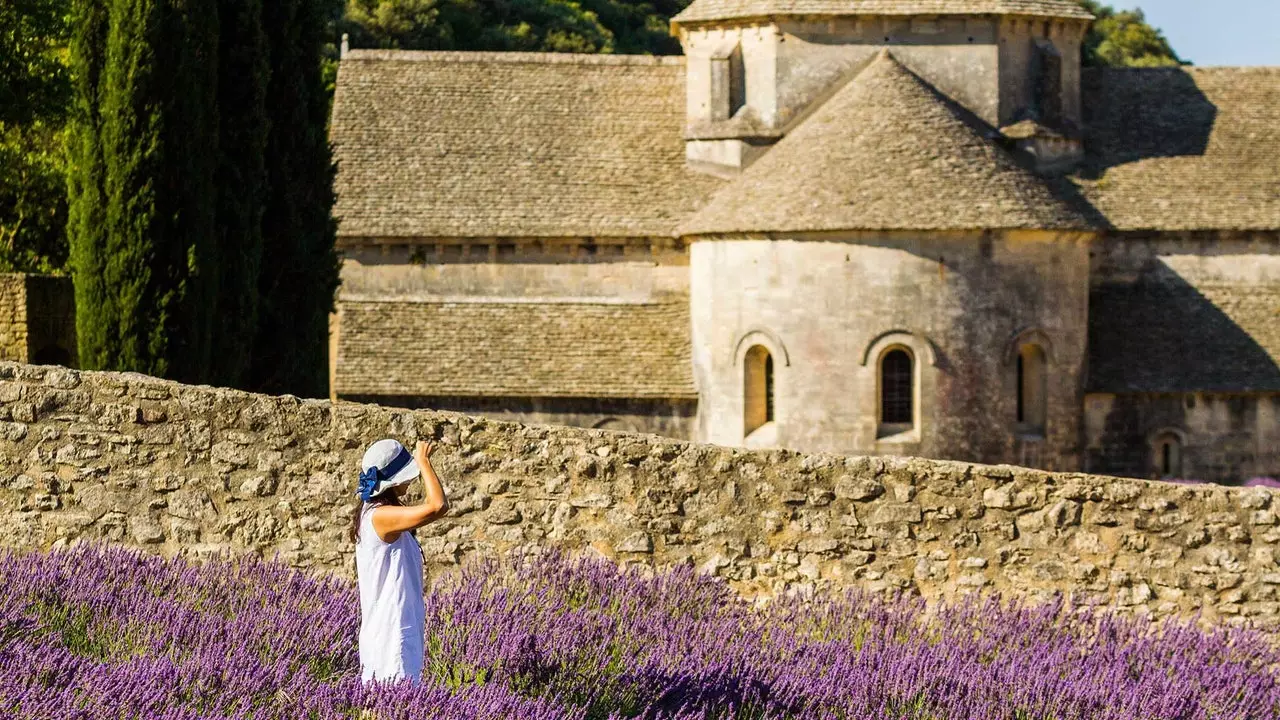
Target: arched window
x,y
897,391
613,423
1167,450
757,389
1032,405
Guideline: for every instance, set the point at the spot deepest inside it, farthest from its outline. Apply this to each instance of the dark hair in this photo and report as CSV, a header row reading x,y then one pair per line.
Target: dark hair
x,y
385,497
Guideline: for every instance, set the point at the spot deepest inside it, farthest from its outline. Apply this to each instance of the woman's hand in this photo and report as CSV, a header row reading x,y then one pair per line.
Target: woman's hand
x,y
422,452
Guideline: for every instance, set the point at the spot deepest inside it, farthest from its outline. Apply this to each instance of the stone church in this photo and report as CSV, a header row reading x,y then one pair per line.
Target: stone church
x,y
907,227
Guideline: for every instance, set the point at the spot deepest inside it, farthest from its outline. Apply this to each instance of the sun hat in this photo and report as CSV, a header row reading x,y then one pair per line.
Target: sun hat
x,y
386,464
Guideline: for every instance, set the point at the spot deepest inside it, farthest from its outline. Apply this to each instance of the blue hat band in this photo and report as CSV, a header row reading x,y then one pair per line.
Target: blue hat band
x,y
369,479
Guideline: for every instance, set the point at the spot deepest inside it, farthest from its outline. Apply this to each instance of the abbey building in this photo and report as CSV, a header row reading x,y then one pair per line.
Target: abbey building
x,y
909,227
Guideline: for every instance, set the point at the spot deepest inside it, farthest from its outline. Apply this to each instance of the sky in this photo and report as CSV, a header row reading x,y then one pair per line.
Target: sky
x,y
1216,32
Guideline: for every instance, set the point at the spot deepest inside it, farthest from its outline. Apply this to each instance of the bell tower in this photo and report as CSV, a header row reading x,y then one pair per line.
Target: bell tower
x,y
757,68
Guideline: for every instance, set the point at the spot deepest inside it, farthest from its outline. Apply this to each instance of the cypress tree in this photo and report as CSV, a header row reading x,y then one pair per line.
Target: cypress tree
x,y
299,264
157,255
87,203
243,73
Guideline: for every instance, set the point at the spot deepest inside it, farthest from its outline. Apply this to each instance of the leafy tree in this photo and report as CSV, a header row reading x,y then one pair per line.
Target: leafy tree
x,y
145,256
1124,39
299,264
35,90
531,25
34,82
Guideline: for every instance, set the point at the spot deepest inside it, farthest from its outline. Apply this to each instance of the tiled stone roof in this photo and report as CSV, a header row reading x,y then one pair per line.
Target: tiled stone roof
x,y
1183,148
1170,336
705,10
515,348
886,152
511,144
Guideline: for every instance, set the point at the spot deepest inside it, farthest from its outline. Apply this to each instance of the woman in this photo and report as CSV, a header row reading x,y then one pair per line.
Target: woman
x,y
388,559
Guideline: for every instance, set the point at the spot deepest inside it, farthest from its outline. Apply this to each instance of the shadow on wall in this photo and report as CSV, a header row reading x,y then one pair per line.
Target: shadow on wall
x,y
1154,341
1163,334
1132,114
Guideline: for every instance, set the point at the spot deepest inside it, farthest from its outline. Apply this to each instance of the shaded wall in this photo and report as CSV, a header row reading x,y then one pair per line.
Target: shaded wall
x,y
1222,438
1184,339
672,418
37,319
194,470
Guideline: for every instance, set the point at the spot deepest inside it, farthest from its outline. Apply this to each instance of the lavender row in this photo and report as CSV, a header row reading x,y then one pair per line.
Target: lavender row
x,y
97,631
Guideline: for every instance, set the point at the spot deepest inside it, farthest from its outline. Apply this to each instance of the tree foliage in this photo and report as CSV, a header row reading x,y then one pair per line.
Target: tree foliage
x,y
241,178
145,256
585,26
1125,39
35,92
299,275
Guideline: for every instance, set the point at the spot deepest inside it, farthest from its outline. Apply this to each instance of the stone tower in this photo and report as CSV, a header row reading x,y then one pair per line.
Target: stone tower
x,y
756,68
884,275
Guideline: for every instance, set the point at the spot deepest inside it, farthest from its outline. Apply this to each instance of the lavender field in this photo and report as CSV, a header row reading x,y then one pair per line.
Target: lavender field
x,y
97,632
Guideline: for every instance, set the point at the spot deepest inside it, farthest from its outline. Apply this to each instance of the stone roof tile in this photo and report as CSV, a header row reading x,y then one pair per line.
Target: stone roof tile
x,y
1183,148
886,152
710,10
450,144
1141,336
515,348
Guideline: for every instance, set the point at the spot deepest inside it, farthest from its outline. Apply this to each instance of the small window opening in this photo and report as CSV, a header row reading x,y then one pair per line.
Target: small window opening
x,y
1032,390
1048,85
758,389
728,83
1168,460
897,392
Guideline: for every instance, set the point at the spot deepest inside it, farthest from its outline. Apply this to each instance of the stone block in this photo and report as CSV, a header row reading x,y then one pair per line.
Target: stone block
x,y
893,513
858,489
504,512
637,542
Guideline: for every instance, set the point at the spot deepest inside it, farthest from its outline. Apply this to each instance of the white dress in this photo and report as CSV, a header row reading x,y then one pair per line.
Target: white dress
x,y
391,603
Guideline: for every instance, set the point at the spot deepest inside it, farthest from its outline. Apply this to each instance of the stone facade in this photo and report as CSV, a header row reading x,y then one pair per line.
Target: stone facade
x,y
37,319
828,308
1082,264
195,470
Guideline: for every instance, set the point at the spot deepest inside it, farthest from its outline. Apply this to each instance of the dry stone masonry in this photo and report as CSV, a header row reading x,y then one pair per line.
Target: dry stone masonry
x,y
195,470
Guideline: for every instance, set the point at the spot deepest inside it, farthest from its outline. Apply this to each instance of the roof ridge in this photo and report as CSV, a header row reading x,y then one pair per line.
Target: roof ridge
x,y
864,160
426,299
512,57
1194,69
702,11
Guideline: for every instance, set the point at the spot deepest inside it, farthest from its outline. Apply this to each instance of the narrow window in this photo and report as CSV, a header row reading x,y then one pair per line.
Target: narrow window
x,y
1168,456
897,395
1021,391
768,388
757,390
728,83
1048,84
1032,390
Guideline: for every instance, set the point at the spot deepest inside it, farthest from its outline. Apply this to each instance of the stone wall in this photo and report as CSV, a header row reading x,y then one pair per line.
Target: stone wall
x,y
13,318
37,319
192,469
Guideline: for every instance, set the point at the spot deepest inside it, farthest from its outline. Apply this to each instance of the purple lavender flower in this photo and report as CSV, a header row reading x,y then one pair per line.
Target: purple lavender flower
x,y
97,631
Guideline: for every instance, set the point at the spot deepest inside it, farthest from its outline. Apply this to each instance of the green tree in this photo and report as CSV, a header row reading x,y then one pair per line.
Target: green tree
x,y
1125,39
243,75
35,91
587,26
299,264
144,250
